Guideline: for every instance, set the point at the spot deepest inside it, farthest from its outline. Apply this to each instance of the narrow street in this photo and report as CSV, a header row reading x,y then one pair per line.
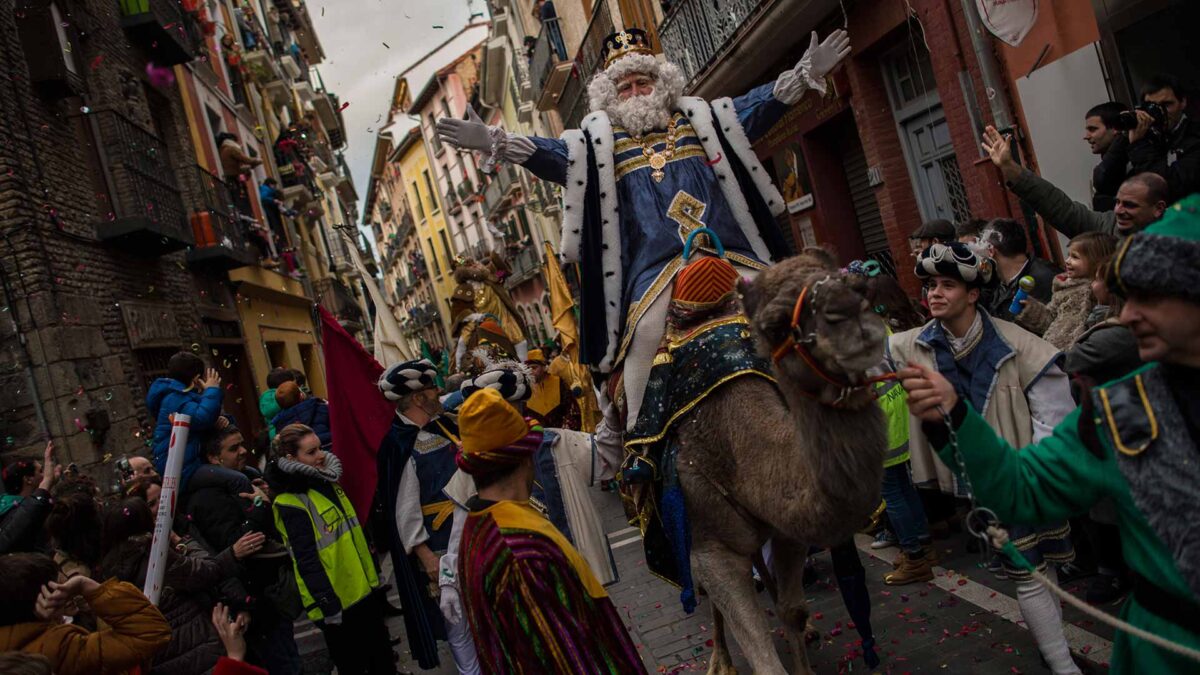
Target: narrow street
x,y
964,621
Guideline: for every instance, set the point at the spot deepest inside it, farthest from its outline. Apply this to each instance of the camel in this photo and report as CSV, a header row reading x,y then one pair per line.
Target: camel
x,y
799,464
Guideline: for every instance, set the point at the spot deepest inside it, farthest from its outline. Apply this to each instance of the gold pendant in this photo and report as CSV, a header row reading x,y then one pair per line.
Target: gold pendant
x,y
657,162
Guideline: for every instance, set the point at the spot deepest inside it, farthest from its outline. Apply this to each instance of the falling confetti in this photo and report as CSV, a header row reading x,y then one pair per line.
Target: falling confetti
x,y
385,45
97,61
436,25
108,396
196,347
344,106
84,109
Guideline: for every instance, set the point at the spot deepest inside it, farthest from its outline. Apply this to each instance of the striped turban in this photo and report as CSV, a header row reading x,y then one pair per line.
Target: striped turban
x,y
408,377
954,260
510,378
494,435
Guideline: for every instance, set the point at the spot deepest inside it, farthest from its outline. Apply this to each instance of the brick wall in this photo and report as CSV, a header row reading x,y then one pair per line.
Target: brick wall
x,y
63,287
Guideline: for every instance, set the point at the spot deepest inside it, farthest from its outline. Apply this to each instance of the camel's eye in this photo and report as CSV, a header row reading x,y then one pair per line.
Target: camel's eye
x,y
836,317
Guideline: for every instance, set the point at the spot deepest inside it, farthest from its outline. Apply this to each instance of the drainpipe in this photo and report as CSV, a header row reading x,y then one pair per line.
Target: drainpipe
x,y
993,84
993,87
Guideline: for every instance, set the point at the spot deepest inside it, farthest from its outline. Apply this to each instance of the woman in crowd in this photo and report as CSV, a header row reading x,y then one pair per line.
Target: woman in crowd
x,y
334,569
190,574
31,619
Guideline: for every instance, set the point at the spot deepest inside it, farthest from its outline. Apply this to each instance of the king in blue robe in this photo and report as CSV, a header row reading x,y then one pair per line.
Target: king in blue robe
x,y
648,167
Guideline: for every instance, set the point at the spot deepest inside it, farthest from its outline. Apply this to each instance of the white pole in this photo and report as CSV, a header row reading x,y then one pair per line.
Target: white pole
x,y
180,426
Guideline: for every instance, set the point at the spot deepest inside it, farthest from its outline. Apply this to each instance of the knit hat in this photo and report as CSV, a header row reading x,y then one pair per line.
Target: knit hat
x,y
1164,258
956,261
510,378
535,356
287,395
407,378
494,435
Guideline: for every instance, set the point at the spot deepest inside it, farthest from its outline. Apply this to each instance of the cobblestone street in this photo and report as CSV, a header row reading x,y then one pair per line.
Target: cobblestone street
x,y
965,621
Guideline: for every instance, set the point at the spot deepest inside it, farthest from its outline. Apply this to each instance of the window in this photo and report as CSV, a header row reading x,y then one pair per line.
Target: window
x,y
417,202
446,245
437,268
433,198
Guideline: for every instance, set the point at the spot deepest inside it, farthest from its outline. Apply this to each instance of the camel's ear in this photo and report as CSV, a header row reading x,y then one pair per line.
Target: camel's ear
x,y
749,295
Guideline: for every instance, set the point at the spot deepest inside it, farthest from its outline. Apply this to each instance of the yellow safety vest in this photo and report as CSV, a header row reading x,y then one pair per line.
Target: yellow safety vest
x,y
341,547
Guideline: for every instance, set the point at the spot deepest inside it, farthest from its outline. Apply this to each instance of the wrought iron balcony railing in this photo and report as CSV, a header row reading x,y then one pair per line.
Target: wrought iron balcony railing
x,y
572,105
216,222
168,34
525,265
695,32
143,208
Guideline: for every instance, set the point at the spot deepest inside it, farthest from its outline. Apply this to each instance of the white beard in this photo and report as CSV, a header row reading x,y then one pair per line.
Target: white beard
x,y
642,114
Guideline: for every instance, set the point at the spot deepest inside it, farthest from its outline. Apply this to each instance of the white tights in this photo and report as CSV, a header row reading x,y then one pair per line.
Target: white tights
x,y
1043,617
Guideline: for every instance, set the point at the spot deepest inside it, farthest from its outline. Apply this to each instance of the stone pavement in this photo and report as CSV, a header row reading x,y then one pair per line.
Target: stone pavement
x,y
965,621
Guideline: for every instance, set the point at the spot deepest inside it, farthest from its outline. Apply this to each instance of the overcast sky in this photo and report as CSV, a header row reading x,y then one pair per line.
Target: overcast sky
x,y
361,70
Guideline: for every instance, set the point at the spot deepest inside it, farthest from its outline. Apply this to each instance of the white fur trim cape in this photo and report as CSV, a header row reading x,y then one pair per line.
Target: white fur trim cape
x,y
704,119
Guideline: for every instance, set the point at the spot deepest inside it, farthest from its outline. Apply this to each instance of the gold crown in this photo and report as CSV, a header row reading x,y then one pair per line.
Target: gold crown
x,y
625,42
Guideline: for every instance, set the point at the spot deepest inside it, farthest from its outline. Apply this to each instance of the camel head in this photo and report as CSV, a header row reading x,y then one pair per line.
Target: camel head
x,y
837,337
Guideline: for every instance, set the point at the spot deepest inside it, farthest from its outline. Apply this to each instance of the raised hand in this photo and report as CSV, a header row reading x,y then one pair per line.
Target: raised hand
x,y
211,378
824,56
232,633
468,134
999,149
249,544
50,470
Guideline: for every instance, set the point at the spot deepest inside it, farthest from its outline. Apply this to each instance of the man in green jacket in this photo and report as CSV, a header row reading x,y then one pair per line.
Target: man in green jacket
x,y
1136,439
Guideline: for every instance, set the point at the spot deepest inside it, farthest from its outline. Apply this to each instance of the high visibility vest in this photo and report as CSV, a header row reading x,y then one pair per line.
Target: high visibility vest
x,y
893,399
341,547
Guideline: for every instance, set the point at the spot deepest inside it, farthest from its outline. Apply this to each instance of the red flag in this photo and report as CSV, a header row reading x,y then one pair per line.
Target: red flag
x,y
359,416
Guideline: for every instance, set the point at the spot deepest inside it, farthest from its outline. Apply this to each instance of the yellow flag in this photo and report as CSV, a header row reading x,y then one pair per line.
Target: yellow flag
x,y
562,314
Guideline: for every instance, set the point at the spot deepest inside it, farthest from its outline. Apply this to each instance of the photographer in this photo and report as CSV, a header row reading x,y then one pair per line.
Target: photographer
x,y
1102,133
1165,140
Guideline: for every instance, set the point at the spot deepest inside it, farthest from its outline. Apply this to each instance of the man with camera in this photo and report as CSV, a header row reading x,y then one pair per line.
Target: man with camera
x,y
1101,130
1162,138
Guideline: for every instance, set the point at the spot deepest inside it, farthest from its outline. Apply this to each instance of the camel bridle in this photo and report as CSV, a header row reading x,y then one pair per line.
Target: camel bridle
x,y
798,342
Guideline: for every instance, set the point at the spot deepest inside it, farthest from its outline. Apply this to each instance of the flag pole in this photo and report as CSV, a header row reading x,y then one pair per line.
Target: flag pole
x,y
180,429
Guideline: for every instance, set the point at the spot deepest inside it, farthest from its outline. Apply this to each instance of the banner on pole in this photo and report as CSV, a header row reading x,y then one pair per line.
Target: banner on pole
x,y
180,429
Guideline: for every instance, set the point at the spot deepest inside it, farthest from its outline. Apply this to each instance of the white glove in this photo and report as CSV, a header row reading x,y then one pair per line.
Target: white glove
x,y
468,134
825,56
451,605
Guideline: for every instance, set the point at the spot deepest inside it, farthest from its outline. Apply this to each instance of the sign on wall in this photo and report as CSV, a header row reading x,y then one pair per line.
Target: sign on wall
x,y
149,324
794,182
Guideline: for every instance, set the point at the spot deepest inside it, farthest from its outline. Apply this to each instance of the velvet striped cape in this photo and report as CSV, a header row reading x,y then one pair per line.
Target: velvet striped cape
x,y
531,600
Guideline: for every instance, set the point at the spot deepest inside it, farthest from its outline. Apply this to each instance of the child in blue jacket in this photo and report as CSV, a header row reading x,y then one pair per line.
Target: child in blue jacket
x,y
192,389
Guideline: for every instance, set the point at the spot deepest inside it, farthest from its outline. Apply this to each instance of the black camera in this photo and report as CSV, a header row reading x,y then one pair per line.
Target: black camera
x,y
1128,121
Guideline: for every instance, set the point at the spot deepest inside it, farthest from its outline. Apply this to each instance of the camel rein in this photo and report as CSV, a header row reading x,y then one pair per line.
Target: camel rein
x,y
983,523
797,342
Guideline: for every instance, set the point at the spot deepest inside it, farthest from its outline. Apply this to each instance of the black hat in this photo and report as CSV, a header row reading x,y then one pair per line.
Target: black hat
x,y
940,229
623,43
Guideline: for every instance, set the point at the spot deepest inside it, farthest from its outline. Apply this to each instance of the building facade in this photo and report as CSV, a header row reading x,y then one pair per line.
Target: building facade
x,y
123,239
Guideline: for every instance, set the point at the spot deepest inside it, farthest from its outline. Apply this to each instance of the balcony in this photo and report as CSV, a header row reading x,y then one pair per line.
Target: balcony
x,y
404,227
145,213
550,67
262,67
572,104
291,69
341,303
160,27
327,112
695,32
499,189
525,266
220,242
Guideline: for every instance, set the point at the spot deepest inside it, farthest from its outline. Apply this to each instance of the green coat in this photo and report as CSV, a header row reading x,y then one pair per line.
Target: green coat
x,y
1061,477
269,407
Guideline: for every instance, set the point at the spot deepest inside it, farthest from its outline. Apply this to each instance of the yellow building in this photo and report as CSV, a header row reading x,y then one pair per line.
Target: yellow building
x,y
428,215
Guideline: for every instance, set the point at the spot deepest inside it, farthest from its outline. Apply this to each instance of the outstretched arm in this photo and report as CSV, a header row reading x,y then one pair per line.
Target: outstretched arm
x,y
760,108
546,158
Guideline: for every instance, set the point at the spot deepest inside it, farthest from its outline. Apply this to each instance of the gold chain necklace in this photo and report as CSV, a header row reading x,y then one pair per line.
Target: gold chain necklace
x,y
658,160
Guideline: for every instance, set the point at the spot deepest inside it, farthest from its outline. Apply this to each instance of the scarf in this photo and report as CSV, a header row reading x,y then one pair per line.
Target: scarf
x,y
960,345
329,473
